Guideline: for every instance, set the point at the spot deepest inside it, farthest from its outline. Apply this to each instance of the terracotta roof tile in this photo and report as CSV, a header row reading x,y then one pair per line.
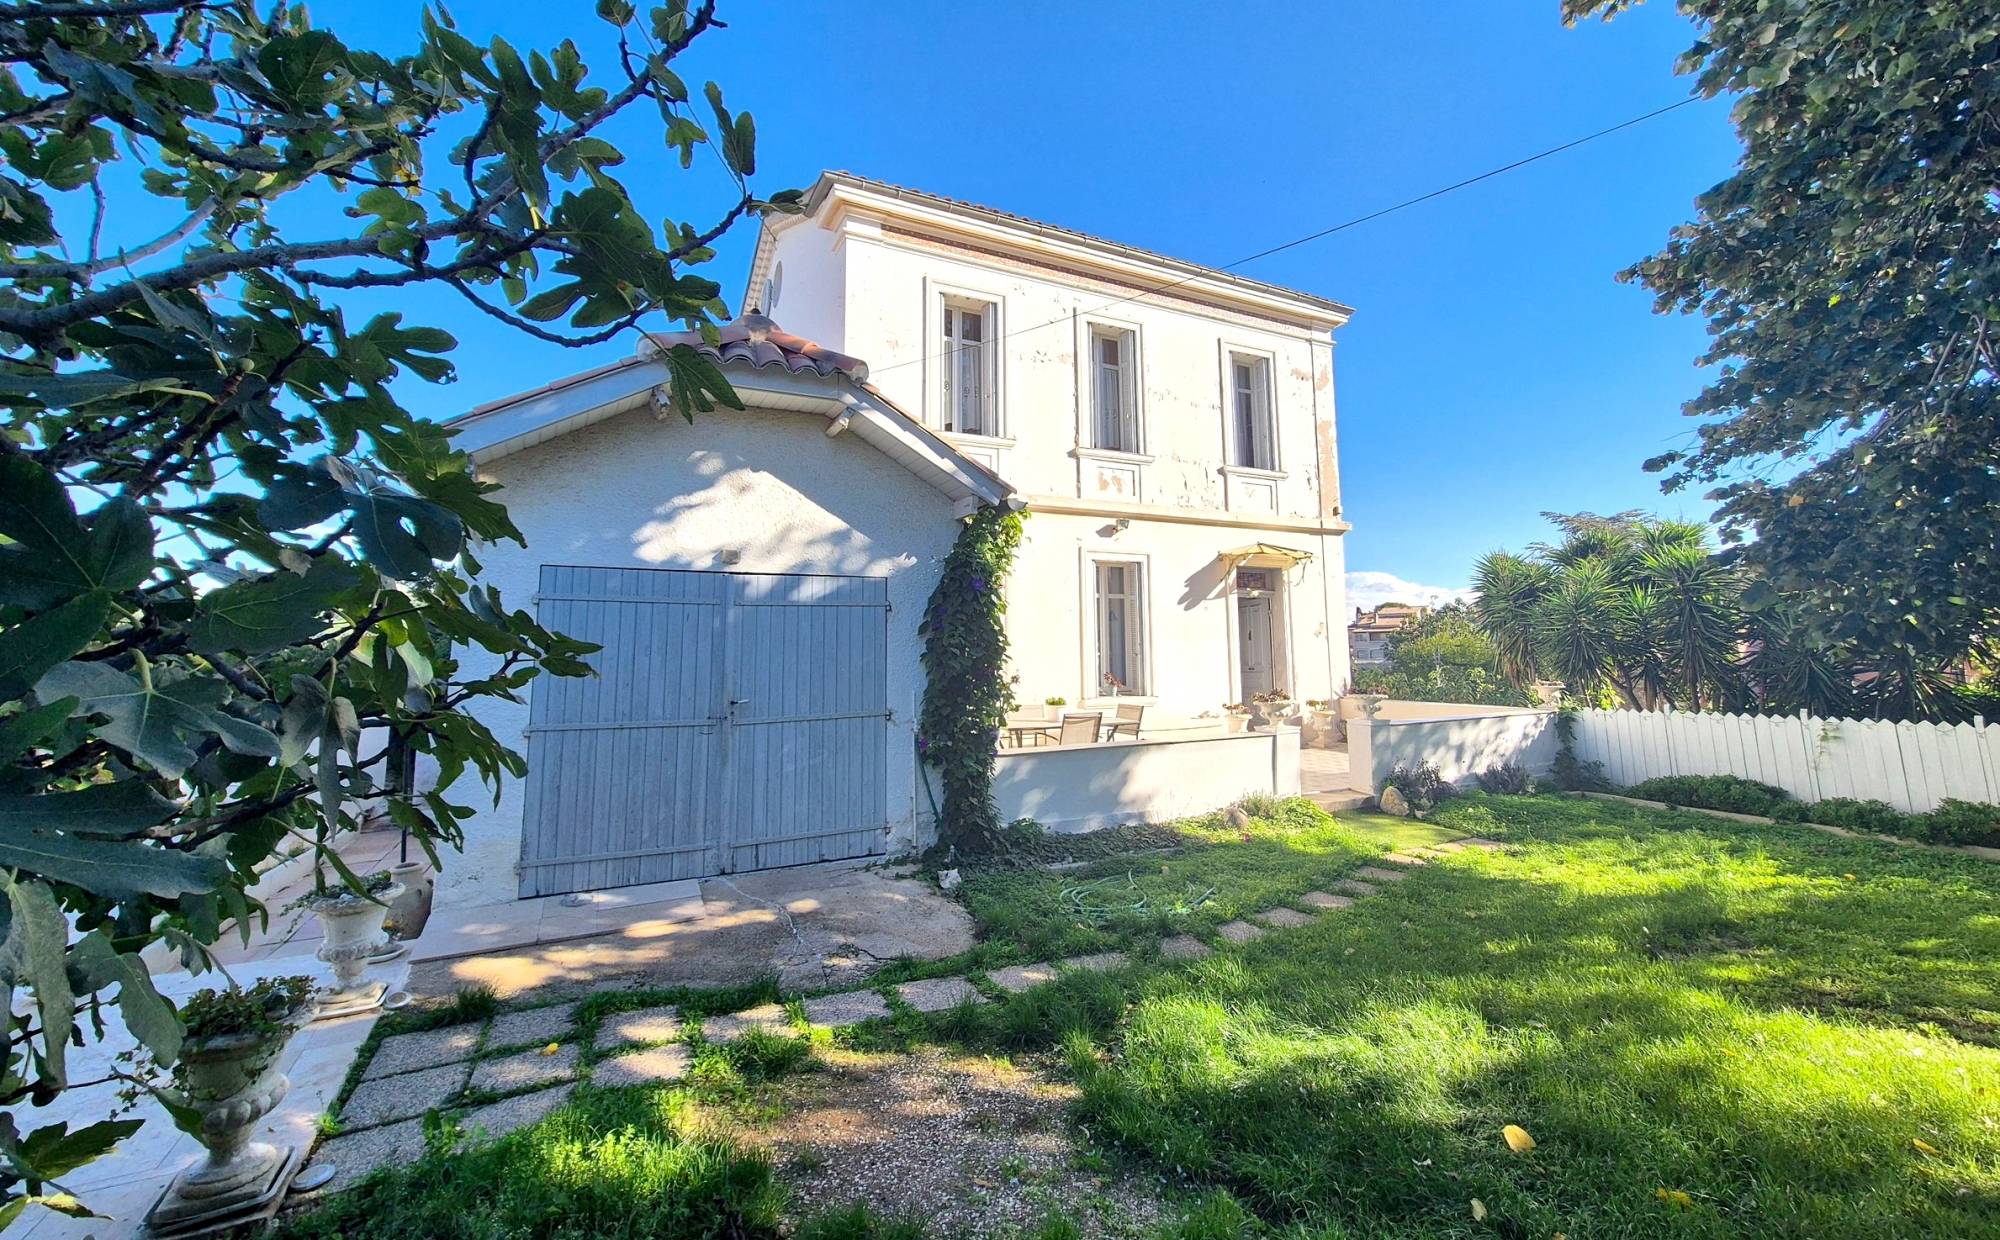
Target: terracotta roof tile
x,y
756,339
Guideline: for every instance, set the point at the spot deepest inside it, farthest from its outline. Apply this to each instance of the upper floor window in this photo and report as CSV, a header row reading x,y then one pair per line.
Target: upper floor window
x,y
970,367
1114,390
1253,442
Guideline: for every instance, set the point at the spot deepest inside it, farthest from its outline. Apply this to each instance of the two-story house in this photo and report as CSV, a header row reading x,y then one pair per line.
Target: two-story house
x,y
756,576
1169,426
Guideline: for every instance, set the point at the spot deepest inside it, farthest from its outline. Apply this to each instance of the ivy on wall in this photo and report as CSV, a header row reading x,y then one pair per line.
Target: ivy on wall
x,y
966,695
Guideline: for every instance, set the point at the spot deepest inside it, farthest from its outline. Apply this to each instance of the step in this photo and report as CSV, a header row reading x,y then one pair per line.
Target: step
x,y
1340,799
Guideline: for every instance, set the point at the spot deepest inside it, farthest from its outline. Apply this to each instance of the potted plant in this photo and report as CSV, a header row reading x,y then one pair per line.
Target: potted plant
x,y
1236,717
351,927
1324,732
1269,709
1052,707
225,1080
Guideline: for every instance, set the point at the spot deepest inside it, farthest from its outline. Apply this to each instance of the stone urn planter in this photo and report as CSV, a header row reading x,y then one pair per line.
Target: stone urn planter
x,y
1236,719
1271,712
352,928
1322,729
409,912
227,1077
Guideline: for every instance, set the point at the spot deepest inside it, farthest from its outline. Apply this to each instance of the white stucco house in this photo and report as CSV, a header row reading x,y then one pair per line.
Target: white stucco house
x,y
756,577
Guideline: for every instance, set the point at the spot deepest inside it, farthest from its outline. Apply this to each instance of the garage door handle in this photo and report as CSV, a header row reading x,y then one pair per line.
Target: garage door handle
x,y
739,701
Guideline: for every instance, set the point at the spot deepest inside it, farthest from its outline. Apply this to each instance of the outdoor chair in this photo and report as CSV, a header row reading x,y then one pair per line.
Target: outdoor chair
x,y
1126,724
1079,729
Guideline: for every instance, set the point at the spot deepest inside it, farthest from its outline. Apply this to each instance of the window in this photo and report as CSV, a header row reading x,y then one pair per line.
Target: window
x,y
1121,665
1250,412
970,353
1114,397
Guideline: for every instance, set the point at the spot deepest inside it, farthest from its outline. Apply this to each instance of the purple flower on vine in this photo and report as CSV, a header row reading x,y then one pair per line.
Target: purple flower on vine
x,y
979,584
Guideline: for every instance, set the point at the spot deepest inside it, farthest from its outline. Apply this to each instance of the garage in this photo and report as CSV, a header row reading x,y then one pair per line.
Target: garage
x,y
737,721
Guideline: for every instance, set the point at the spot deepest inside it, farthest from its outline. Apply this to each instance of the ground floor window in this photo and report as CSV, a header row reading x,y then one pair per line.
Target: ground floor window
x,y
1120,603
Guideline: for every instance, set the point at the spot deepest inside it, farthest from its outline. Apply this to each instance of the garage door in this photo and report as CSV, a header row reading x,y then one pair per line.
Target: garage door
x,y
738,721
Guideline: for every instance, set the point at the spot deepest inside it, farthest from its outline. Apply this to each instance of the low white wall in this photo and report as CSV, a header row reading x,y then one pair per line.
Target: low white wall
x,y
1460,746
1087,787
1392,708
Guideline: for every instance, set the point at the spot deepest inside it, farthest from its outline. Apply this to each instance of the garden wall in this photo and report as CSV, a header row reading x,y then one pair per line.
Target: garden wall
x,y
1912,766
1459,745
1086,787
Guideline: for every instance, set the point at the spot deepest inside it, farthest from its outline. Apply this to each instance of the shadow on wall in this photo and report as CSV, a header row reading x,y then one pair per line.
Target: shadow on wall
x,y
1204,584
790,531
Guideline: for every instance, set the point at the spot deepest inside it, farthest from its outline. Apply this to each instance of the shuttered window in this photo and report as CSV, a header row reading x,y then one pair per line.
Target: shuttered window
x,y
1114,390
1121,665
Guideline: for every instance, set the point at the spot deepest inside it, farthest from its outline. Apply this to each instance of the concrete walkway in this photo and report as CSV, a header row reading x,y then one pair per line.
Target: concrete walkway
x,y
811,926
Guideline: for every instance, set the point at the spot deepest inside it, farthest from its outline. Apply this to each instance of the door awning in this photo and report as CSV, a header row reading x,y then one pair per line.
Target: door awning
x,y
1265,555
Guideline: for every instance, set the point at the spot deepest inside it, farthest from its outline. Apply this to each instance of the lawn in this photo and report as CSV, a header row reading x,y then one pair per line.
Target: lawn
x,y
1707,1028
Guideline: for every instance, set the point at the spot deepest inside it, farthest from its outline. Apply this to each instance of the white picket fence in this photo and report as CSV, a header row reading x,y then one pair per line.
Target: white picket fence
x,y
1912,766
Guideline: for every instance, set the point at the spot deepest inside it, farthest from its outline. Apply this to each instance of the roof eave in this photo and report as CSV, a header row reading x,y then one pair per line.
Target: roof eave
x,y
849,193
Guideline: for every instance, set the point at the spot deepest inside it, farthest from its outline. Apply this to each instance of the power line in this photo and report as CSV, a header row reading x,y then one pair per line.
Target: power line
x,y
1488,175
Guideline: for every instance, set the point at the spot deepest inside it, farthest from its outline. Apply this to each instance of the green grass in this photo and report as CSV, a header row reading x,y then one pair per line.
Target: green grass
x,y
1761,1018
1710,1030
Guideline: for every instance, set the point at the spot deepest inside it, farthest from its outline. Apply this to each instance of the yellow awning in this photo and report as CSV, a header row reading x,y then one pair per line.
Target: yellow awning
x,y
1265,555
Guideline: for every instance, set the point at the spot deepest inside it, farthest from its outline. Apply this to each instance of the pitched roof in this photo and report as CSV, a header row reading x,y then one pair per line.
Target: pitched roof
x,y
757,340
831,179
769,367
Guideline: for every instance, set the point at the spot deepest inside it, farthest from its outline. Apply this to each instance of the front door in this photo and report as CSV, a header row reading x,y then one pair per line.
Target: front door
x,y
737,721
1253,627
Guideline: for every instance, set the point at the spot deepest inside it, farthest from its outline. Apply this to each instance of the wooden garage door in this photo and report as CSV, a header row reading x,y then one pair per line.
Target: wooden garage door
x,y
738,721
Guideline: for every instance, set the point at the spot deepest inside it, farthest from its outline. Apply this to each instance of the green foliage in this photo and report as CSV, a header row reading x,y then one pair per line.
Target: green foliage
x,y
1422,785
1444,657
965,693
267,1007
1570,773
231,560
1724,792
1852,289
1508,779
1952,822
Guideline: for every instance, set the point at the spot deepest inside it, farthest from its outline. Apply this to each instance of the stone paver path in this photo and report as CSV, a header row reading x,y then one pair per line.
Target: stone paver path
x,y
938,993
413,1073
399,1097
1097,963
525,1070
533,1027
1326,900
849,1008
770,1019
656,1066
1239,931
1016,978
1283,918
407,1052
497,1119
654,1024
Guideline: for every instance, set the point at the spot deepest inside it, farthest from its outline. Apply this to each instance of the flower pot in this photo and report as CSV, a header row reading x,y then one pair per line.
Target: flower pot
x,y
409,911
232,1082
1237,723
1271,714
352,934
1325,731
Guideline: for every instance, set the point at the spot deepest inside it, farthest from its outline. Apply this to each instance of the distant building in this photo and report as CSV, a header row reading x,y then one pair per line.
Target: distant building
x,y
1368,636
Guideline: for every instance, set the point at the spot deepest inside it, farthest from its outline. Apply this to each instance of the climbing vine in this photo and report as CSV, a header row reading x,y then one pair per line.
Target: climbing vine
x,y
966,694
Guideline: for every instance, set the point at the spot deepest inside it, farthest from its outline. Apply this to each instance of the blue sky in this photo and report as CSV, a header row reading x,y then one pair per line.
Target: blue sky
x,y
1494,367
